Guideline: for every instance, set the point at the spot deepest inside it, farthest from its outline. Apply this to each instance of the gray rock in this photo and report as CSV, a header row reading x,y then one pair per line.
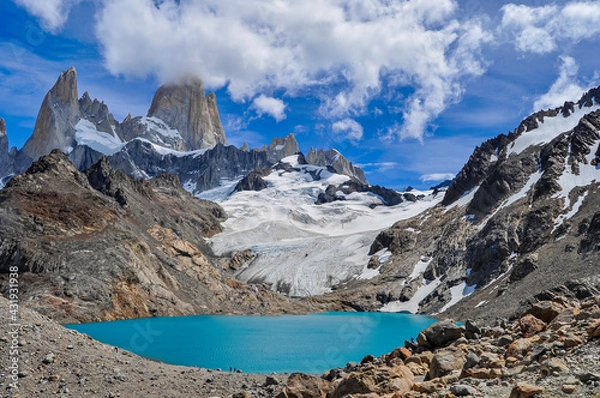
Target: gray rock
x,y
463,390
49,358
505,340
271,381
472,360
442,333
587,376
444,362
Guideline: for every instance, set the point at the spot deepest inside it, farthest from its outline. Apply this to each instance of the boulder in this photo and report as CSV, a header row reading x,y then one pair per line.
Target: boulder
x,y
566,317
462,390
402,353
553,365
472,360
530,325
271,381
440,334
545,310
593,330
382,380
525,391
520,346
446,361
472,330
301,386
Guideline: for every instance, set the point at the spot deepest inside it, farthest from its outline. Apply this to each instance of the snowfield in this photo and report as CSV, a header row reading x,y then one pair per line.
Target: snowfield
x,y
304,249
551,128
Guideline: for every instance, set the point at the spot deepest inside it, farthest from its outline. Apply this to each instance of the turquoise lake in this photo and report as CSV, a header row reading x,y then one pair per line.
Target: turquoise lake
x,y
261,344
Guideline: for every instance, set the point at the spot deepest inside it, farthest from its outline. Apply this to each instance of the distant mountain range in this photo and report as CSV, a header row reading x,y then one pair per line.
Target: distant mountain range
x,y
90,201
181,134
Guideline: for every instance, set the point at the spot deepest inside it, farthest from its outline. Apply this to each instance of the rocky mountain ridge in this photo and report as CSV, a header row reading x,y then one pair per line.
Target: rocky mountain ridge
x,y
520,217
181,134
100,245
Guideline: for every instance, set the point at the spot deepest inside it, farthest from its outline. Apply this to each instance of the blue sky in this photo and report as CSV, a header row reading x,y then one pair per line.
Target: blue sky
x,y
406,89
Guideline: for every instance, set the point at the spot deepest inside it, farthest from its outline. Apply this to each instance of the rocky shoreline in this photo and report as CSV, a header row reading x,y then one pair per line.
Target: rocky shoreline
x,y
550,350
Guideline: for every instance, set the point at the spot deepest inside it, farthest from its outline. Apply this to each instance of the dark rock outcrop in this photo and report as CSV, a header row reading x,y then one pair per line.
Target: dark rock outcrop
x,y
389,197
335,160
253,181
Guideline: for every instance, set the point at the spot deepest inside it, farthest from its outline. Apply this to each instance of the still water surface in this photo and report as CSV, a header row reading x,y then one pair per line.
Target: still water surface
x,y
261,344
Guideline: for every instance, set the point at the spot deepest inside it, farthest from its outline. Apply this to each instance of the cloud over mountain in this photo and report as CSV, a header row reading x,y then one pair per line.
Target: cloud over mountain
x,y
346,52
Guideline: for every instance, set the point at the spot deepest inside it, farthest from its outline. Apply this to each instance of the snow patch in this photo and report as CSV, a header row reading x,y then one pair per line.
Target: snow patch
x,y
412,305
458,293
481,303
161,150
87,134
157,125
465,199
551,128
568,181
574,209
420,267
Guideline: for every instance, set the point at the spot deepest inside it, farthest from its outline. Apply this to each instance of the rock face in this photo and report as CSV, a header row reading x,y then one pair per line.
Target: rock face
x,y
281,148
6,160
184,107
101,245
197,172
54,127
335,160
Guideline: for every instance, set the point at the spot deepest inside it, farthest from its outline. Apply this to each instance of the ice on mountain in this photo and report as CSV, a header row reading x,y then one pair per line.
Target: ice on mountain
x,y
105,143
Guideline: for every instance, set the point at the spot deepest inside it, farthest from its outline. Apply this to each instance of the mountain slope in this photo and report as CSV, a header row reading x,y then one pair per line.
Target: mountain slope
x,y
520,217
100,245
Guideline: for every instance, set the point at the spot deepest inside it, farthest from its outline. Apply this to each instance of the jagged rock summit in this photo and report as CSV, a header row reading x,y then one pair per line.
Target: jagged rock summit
x,y
181,134
334,159
181,118
59,113
185,108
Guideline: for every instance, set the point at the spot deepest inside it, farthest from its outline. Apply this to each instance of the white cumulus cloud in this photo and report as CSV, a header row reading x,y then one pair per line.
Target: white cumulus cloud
x,y
52,13
565,88
274,107
343,53
542,29
348,129
436,177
